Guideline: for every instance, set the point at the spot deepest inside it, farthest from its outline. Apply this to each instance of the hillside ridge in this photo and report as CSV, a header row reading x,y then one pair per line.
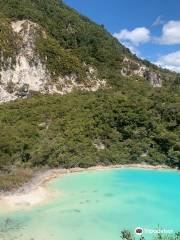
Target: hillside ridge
x,y
63,51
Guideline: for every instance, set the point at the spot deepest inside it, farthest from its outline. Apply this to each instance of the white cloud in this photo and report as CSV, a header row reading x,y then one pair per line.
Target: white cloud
x,y
170,33
135,37
170,61
158,21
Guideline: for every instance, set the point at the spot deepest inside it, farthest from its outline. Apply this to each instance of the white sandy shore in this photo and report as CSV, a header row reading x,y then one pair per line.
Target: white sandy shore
x,y
36,192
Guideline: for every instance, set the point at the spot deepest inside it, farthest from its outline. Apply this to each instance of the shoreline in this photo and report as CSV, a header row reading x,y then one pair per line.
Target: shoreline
x,y
36,191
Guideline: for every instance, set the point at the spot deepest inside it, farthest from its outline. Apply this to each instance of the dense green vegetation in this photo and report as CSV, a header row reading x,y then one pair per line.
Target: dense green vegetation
x,y
130,122
8,42
64,130
59,62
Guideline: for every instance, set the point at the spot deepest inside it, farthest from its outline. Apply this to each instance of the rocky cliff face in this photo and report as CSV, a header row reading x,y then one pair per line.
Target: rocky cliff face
x,y
27,74
132,67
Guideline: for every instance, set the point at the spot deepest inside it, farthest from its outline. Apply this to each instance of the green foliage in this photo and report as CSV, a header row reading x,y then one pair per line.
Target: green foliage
x,y
126,235
65,130
8,42
59,61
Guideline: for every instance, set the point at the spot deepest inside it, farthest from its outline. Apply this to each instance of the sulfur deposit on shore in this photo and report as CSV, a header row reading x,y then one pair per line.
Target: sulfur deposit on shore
x,y
37,192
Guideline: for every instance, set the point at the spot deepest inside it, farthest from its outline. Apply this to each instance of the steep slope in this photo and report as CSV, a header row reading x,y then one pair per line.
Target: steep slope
x,y
57,50
29,73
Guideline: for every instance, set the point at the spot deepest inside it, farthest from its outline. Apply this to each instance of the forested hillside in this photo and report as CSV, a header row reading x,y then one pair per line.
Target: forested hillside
x,y
127,121
74,40
86,129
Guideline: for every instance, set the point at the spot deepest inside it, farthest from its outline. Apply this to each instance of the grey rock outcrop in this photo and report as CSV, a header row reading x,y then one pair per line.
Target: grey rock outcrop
x,y
131,67
28,74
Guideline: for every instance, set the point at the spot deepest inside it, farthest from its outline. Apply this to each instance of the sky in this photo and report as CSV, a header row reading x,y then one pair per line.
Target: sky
x,y
149,28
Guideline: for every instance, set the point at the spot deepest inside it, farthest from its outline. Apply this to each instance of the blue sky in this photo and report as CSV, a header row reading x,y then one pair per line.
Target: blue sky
x,y
150,28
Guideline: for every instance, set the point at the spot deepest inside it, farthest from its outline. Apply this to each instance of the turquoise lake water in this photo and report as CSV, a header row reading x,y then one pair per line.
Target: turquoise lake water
x,y
98,205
